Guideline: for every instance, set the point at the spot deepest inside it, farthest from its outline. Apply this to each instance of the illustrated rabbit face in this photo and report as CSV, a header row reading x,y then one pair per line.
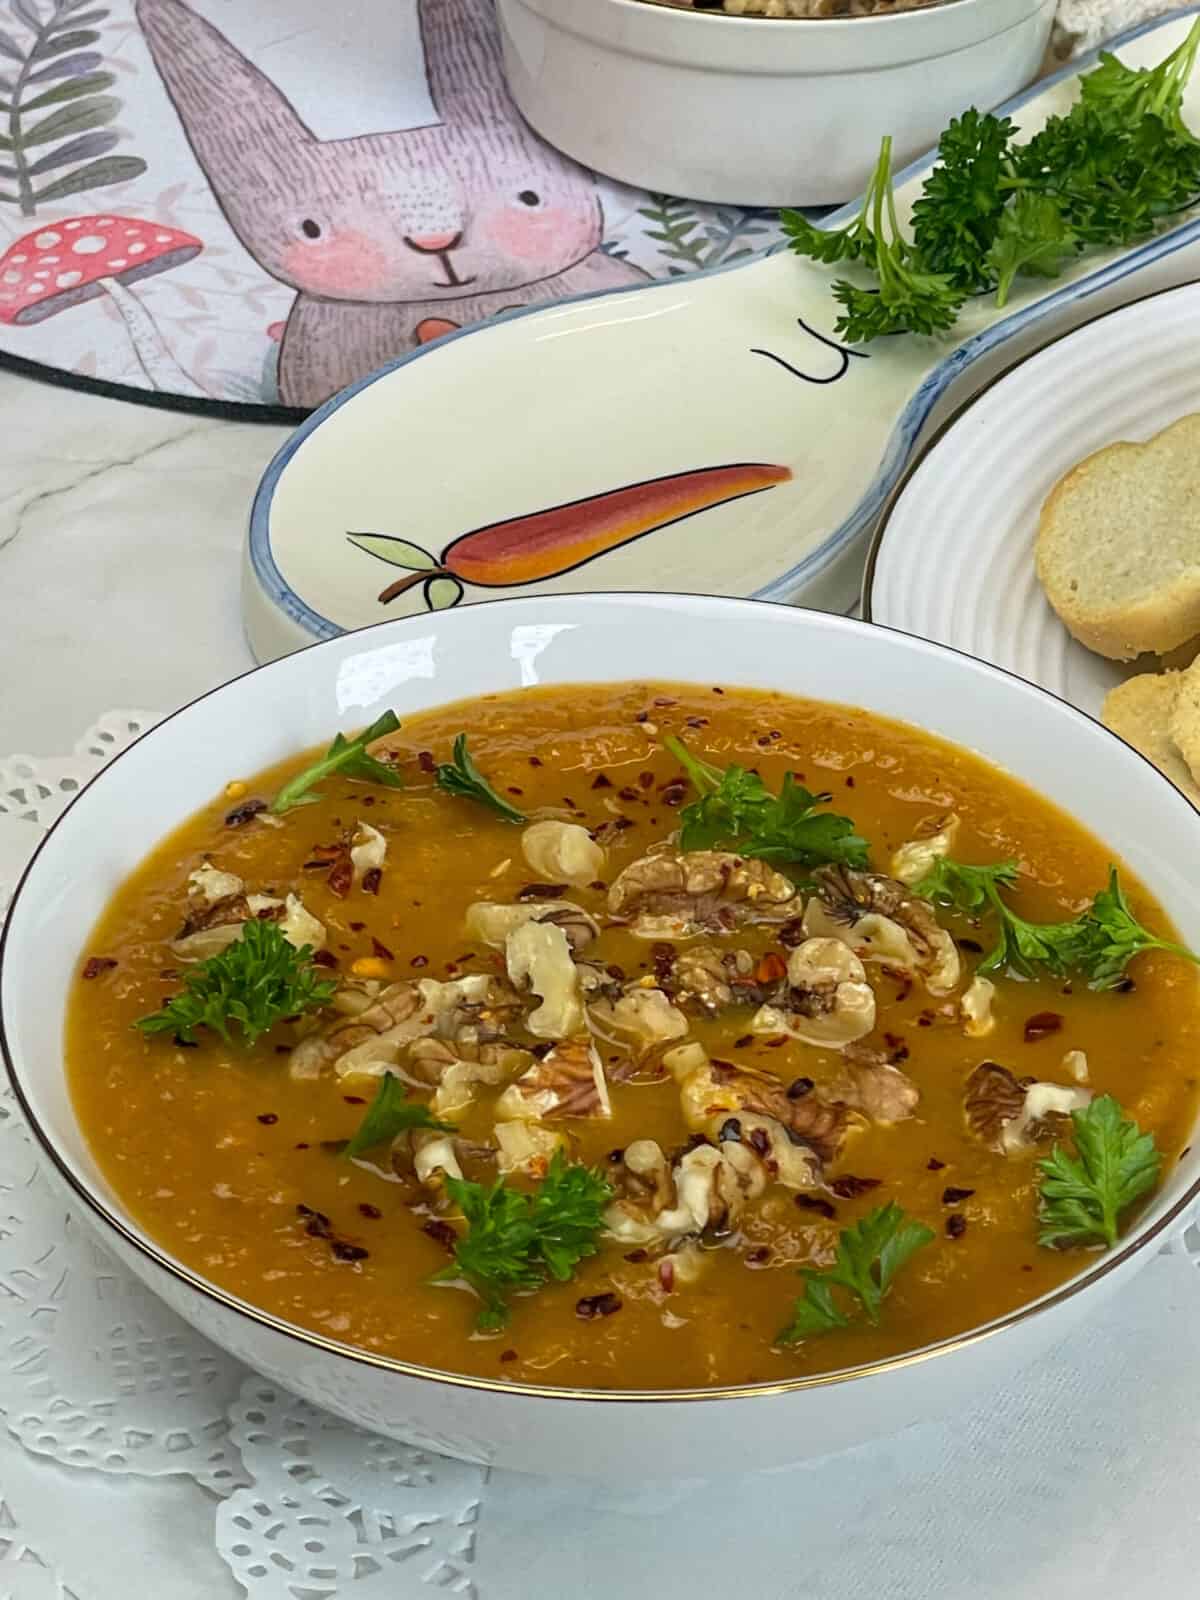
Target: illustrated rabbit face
x,y
380,224
474,205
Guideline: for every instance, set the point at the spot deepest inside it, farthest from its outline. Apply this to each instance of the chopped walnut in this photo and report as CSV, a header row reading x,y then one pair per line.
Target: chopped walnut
x,y
881,921
568,1082
1011,1116
873,1085
562,852
369,1043
934,839
538,955
828,1000
492,923
678,894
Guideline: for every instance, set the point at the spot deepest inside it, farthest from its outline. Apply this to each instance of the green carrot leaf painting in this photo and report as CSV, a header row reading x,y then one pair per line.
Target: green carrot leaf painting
x,y
545,544
53,94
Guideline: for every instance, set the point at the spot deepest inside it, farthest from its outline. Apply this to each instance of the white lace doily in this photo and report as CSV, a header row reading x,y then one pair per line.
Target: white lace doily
x,y
111,1405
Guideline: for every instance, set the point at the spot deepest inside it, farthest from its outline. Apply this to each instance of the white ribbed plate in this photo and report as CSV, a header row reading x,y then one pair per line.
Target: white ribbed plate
x,y
954,559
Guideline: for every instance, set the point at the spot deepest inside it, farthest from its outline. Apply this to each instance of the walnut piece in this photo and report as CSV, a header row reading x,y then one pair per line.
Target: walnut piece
x,y
678,894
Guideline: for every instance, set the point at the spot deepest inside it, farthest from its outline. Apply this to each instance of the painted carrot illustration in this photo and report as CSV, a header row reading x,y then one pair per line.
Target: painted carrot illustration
x,y
545,544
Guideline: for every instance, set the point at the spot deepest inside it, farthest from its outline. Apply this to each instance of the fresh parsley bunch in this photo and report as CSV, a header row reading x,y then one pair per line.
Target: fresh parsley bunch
x,y
516,1239
1083,1196
869,1255
736,809
1102,176
252,984
1097,945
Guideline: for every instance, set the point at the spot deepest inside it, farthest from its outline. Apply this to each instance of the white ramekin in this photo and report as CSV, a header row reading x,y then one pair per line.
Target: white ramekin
x,y
756,111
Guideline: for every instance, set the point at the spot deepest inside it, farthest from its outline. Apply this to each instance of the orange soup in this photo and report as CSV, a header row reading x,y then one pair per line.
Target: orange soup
x,y
657,1036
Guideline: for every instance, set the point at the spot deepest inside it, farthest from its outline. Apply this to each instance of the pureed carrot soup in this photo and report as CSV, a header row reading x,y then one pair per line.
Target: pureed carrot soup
x,y
645,1036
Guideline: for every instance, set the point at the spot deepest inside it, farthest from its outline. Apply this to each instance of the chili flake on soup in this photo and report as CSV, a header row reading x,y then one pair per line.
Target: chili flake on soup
x,y
636,1036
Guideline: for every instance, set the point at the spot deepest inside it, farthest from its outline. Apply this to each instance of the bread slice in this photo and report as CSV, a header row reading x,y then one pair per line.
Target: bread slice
x,y
1183,724
1118,545
1140,711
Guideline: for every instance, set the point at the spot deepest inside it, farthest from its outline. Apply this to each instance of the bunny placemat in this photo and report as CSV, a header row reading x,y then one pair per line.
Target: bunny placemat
x,y
262,202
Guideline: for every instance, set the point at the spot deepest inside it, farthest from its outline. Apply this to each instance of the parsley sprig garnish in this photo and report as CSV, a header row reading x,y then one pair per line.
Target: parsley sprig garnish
x,y
1097,945
348,758
869,1255
736,809
1103,175
1083,1196
516,1239
252,984
391,1113
463,778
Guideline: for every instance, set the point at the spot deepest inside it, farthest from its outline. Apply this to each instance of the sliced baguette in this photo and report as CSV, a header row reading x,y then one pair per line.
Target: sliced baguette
x,y
1184,720
1140,711
1118,545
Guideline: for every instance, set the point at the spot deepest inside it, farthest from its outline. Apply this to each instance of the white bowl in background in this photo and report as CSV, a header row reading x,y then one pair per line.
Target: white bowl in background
x,y
755,110
422,662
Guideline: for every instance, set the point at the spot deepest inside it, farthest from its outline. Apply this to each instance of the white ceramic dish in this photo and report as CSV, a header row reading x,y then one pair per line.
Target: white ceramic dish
x,y
954,555
424,662
753,110
562,407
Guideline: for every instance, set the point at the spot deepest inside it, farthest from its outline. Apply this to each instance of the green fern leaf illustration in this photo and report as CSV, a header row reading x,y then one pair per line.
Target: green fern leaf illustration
x,y
59,72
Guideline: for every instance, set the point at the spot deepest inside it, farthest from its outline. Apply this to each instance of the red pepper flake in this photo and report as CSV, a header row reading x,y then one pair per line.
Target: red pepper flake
x,y
357,927
341,877
354,1100
743,1042
512,789
628,794
509,1355
777,1043
817,1203
1041,1025
246,812
972,946
759,1142
541,891
598,884
925,1020
718,691
665,700
770,969
381,950
95,965
847,1187
343,1250
324,958
597,1305
666,1275
637,1256
368,1210
419,961
956,1225
758,1257
301,1147
426,762
535,761
674,793
614,971
642,716
372,878
1125,986
645,780
441,1233
953,1197
696,722
849,783
799,1087
601,782
267,1117
792,933
934,1165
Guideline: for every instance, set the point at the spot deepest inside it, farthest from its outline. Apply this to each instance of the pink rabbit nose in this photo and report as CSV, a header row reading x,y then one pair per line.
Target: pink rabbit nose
x,y
432,243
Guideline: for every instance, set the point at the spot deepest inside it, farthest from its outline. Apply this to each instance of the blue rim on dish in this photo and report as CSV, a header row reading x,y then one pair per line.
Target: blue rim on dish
x,y
904,434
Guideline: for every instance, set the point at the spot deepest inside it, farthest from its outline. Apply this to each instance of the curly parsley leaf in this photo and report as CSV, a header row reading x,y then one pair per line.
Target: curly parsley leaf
x,y
828,245
958,216
516,1239
348,758
1083,1196
869,1255
738,811
1032,238
391,1113
253,984
1097,945
1120,95
463,778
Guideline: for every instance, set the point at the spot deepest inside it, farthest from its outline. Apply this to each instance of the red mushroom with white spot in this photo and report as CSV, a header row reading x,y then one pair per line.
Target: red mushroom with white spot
x,y
62,264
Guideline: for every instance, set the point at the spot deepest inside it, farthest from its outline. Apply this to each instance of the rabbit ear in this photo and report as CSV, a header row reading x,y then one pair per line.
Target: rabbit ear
x,y
234,117
463,65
